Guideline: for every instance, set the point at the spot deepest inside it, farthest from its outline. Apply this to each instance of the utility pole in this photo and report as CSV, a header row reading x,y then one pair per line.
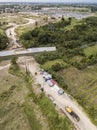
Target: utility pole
x,y
27,70
42,86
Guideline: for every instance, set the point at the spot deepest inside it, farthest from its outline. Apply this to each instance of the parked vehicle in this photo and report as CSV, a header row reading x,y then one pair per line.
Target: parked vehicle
x,y
47,76
72,113
60,91
50,83
53,81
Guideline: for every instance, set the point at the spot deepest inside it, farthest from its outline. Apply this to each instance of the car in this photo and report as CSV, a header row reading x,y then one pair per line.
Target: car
x,y
60,91
47,76
72,113
44,74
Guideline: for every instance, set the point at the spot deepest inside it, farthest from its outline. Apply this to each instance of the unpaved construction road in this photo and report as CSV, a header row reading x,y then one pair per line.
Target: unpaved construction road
x,y
10,32
3,67
61,100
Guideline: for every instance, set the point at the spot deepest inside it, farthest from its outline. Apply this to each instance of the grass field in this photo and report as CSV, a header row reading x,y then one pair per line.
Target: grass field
x,y
18,20
74,22
82,84
77,58
14,111
11,112
92,50
22,29
50,63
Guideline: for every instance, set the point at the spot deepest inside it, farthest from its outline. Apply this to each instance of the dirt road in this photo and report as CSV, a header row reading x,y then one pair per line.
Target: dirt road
x,y
3,67
61,100
11,34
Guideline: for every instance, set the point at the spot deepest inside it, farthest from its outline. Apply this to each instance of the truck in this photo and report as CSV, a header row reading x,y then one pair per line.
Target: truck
x,y
72,113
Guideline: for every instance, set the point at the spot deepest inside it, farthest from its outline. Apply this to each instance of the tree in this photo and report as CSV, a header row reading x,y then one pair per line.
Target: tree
x,y
36,23
62,19
3,40
27,36
35,32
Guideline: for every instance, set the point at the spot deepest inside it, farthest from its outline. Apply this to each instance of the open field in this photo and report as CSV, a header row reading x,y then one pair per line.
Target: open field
x,y
74,22
77,58
50,63
83,86
14,111
22,29
18,20
11,99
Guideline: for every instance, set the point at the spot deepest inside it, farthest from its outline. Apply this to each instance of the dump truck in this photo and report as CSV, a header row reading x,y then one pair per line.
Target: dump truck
x,y
72,113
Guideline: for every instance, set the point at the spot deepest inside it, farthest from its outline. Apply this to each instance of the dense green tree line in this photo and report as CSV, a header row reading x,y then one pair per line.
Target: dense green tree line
x,y
69,43
3,41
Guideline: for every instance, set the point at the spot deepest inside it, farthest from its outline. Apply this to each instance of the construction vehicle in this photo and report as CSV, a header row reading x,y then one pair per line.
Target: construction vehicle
x,y
72,113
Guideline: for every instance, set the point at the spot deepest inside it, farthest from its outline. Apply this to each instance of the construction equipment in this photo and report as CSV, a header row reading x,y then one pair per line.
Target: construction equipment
x,y
72,113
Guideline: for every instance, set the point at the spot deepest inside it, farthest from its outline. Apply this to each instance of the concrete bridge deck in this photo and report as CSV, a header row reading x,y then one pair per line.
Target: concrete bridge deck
x,y
26,51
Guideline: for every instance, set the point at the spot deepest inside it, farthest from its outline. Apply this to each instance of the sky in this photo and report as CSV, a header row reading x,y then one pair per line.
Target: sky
x,y
85,1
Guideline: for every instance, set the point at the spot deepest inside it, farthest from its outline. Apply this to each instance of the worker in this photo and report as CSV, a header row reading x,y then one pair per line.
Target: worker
x,y
10,32
42,89
35,73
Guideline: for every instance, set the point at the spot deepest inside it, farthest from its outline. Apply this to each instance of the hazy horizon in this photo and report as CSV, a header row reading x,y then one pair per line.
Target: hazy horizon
x,y
53,1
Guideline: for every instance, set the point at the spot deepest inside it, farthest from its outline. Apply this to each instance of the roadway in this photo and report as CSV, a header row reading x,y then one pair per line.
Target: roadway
x,y
4,67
